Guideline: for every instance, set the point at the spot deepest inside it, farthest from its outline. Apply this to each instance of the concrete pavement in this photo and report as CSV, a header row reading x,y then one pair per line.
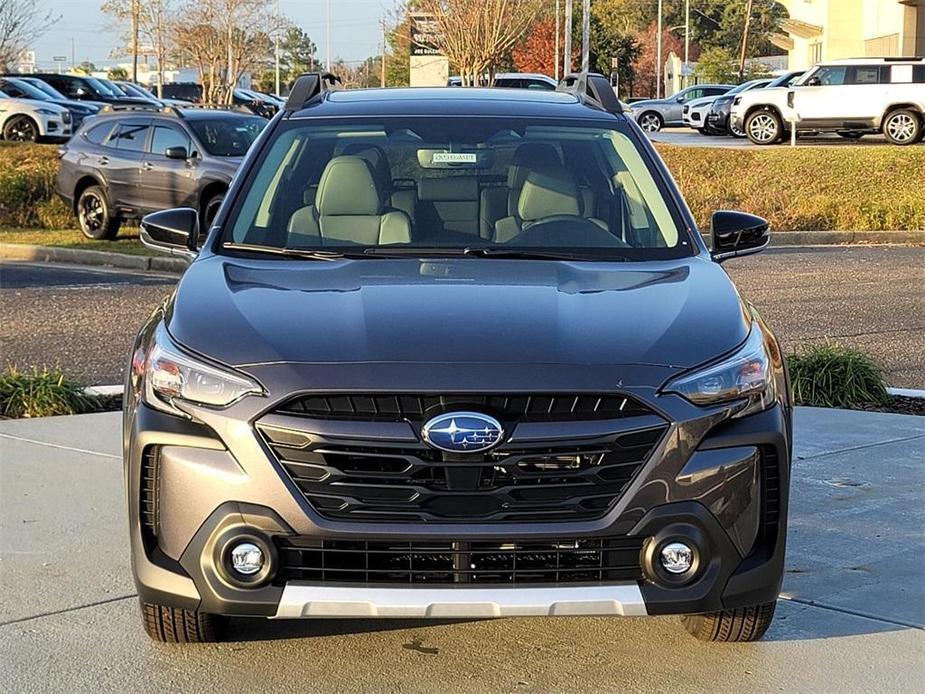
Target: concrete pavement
x,y
851,616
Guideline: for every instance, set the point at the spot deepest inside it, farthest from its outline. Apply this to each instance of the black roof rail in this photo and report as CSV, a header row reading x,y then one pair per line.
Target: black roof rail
x,y
306,87
594,87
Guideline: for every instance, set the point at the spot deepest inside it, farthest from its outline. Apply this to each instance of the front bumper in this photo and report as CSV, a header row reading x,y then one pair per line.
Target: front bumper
x,y
708,481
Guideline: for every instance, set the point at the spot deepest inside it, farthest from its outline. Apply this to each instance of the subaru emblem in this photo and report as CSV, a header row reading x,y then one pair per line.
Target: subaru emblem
x,y
463,432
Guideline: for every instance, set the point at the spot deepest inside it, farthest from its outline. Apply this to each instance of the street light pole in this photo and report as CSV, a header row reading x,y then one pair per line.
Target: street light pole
x,y
276,47
586,36
558,63
658,55
687,38
328,37
568,36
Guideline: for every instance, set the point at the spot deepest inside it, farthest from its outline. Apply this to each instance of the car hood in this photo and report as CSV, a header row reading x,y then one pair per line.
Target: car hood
x,y
246,312
636,105
33,103
703,101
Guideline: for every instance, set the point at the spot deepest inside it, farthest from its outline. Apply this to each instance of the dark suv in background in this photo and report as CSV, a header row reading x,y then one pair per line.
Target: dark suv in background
x,y
85,88
19,88
123,164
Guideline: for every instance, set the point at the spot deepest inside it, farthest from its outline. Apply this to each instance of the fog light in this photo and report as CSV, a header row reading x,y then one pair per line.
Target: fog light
x,y
246,558
676,557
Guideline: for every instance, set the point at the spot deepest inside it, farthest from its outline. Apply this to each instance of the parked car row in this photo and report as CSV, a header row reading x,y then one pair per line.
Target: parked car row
x,y
51,106
851,98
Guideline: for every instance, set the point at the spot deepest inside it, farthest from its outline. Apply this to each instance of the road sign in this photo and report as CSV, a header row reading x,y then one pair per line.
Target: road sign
x,y
59,59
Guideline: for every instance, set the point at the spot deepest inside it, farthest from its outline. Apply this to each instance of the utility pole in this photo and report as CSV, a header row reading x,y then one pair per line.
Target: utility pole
x,y
658,55
687,39
328,37
568,37
748,21
136,10
73,53
382,60
558,59
586,36
229,99
276,31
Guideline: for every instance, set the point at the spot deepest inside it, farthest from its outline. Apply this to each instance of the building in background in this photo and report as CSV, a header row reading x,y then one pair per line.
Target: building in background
x,y
820,30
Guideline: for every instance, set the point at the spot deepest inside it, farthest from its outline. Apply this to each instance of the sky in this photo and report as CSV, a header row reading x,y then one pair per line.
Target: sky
x,y
354,29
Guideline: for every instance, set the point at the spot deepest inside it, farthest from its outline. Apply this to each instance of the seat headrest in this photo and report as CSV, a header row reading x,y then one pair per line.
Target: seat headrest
x,y
551,191
376,157
348,187
530,157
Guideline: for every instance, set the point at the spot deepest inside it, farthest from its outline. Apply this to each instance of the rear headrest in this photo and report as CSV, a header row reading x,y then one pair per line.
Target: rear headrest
x,y
549,192
376,157
530,157
449,189
348,187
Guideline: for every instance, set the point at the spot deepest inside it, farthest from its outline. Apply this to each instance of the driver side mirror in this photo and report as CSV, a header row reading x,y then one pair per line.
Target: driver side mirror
x,y
174,231
738,233
177,152
813,82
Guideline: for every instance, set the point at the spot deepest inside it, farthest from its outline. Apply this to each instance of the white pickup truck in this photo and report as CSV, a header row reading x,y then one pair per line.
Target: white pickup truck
x,y
849,97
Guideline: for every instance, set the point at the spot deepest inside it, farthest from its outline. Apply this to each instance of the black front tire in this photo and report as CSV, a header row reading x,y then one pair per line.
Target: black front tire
x,y
94,216
208,212
764,127
21,129
651,122
731,626
903,127
175,625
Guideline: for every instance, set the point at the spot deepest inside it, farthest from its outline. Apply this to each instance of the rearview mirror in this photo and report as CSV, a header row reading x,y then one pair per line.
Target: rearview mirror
x,y
738,233
177,152
174,231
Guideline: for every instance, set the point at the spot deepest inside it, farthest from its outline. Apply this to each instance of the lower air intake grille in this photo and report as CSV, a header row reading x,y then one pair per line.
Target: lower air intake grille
x,y
770,492
443,561
150,464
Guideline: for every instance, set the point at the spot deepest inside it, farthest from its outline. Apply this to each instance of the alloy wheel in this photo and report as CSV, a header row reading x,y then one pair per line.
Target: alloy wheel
x,y
650,123
91,213
21,130
763,128
901,127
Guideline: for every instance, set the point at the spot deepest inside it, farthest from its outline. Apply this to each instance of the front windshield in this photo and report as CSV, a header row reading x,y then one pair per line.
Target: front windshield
x,y
457,183
101,87
26,90
227,137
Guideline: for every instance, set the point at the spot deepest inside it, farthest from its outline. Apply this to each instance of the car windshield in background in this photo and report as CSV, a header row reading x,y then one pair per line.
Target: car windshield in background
x,y
475,186
24,90
47,88
228,137
102,88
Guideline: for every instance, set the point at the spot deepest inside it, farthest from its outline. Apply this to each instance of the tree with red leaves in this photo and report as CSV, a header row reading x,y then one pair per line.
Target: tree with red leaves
x,y
537,52
646,64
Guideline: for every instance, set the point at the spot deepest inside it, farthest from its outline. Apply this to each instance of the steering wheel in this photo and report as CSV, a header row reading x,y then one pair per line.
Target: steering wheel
x,y
566,230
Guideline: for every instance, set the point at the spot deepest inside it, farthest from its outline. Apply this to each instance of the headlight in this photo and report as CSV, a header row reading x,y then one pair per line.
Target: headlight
x,y
749,375
172,377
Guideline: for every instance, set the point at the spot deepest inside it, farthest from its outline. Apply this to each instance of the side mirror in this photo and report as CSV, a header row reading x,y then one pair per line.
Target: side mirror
x,y
738,233
174,231
177,152
813,82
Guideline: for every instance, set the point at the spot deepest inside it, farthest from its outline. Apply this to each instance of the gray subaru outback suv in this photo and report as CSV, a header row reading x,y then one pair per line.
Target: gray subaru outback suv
x,y
456,353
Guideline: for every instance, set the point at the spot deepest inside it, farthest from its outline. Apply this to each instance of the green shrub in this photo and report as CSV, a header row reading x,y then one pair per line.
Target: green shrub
x,y
41,393
834,376
27,185
805,188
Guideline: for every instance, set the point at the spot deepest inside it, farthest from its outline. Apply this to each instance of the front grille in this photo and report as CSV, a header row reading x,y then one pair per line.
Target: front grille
x,y
150,464
532,407
445,561
417,483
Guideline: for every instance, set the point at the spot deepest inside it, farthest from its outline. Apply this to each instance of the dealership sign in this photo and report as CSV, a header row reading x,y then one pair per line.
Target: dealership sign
x,y
425,35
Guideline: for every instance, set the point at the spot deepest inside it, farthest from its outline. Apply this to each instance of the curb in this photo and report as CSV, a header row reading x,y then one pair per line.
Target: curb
x,y
77,256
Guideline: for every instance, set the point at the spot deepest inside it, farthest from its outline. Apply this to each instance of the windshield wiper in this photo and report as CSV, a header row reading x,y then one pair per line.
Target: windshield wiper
x,y
532,254
308,253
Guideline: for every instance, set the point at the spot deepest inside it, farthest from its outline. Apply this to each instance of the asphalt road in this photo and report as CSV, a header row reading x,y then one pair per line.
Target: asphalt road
x,y
872,298
691,138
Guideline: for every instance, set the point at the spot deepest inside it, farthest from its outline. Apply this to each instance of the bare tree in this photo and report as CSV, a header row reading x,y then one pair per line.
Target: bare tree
x,y
476,34
225,39
150,22
21,23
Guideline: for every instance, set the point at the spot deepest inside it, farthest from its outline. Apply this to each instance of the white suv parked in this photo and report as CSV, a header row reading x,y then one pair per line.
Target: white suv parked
x,y
24,120
850,97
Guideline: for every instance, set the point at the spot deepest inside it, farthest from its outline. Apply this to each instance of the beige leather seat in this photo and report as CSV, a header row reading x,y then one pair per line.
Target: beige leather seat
x,y
349,208
552,192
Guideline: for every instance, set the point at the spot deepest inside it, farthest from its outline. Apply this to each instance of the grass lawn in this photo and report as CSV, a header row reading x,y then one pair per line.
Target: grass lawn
x,y
126,242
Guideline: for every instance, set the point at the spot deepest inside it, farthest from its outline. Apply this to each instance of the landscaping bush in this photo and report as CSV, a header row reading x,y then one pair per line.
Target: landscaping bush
x,y
27,185
833,376
805,188
41,393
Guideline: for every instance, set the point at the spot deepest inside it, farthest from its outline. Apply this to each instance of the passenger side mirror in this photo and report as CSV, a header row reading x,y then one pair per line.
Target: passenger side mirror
x,y
174,231
738,233
813,82
177,152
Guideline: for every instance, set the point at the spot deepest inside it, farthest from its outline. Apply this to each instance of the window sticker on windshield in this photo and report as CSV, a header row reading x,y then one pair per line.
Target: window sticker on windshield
x,y
455,158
